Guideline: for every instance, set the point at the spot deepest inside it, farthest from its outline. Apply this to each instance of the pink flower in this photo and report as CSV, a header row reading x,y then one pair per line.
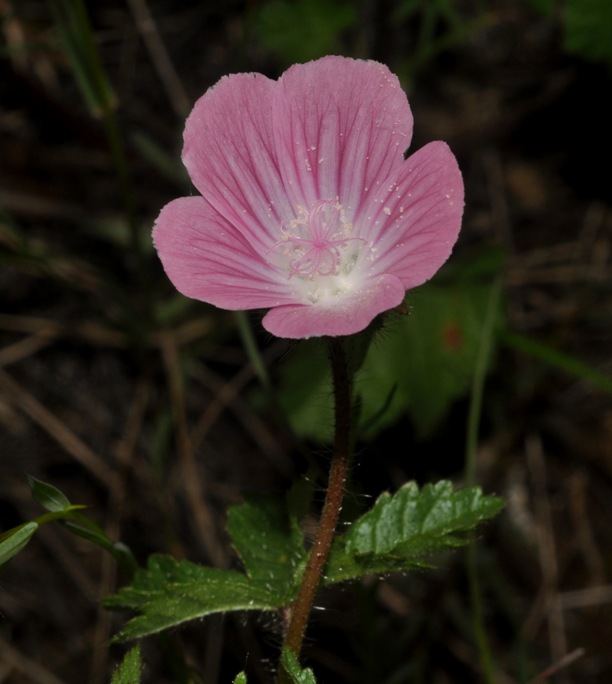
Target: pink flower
x,y
308,207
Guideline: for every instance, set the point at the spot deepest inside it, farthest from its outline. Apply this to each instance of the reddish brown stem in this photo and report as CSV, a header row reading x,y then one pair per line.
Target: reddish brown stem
x,y
319,553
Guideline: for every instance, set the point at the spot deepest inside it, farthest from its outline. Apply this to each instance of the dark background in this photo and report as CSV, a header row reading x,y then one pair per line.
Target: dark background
x,y
103,368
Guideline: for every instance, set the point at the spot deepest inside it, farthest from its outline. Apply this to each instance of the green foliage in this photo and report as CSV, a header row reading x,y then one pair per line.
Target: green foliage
x,y
420,365
47,495
293,669
305,391
13,541
76,38
393,537
79,45
403,529
83,527
429,356
170,592
415,522
269,543
587,27
544,6
61,510
440,26
300,30
130,670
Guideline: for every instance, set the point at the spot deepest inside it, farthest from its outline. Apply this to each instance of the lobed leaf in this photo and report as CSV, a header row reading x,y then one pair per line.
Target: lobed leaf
x,y
423,519
170,592
401,529
293,669
269,543
130,669
393,536
344,565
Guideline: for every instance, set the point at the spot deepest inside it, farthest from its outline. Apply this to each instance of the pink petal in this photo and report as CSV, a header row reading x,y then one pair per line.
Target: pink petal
x,y
347,315
340,125
230,155
265,155
206,258
414,220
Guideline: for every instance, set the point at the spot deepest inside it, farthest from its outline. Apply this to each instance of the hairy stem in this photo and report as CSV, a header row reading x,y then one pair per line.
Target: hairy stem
x,y
319,553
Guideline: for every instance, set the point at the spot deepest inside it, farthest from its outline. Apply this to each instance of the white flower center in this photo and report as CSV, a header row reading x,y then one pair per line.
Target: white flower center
x,y
318,251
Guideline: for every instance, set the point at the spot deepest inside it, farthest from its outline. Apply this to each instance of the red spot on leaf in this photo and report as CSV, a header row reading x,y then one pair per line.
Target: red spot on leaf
x,y
452,337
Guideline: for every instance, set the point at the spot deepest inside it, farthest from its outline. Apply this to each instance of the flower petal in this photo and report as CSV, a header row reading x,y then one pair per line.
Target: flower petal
x,y
340,124
348,315
206,258
230,155
414,220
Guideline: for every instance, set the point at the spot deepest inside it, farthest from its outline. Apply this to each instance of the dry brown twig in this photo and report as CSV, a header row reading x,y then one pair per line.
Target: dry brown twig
x,y
548,593
57,429
202,515
160,57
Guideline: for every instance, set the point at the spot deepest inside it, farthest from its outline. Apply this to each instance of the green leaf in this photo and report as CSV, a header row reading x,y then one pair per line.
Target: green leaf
x,y
428,356
240,678
292,666
13,542
587,26
130,670
77,40
588,29
305,391
301,30
344,565
424,519
420,364
545,7
81,526
170,592
48,496
269,543
400,530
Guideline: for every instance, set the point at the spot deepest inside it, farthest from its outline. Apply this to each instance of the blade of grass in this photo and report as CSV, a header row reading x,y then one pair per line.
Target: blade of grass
x,y
77,39
252,350
474,415
557,359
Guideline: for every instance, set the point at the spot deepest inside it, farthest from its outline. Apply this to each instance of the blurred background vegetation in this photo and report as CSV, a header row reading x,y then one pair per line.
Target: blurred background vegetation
x,y
146,407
